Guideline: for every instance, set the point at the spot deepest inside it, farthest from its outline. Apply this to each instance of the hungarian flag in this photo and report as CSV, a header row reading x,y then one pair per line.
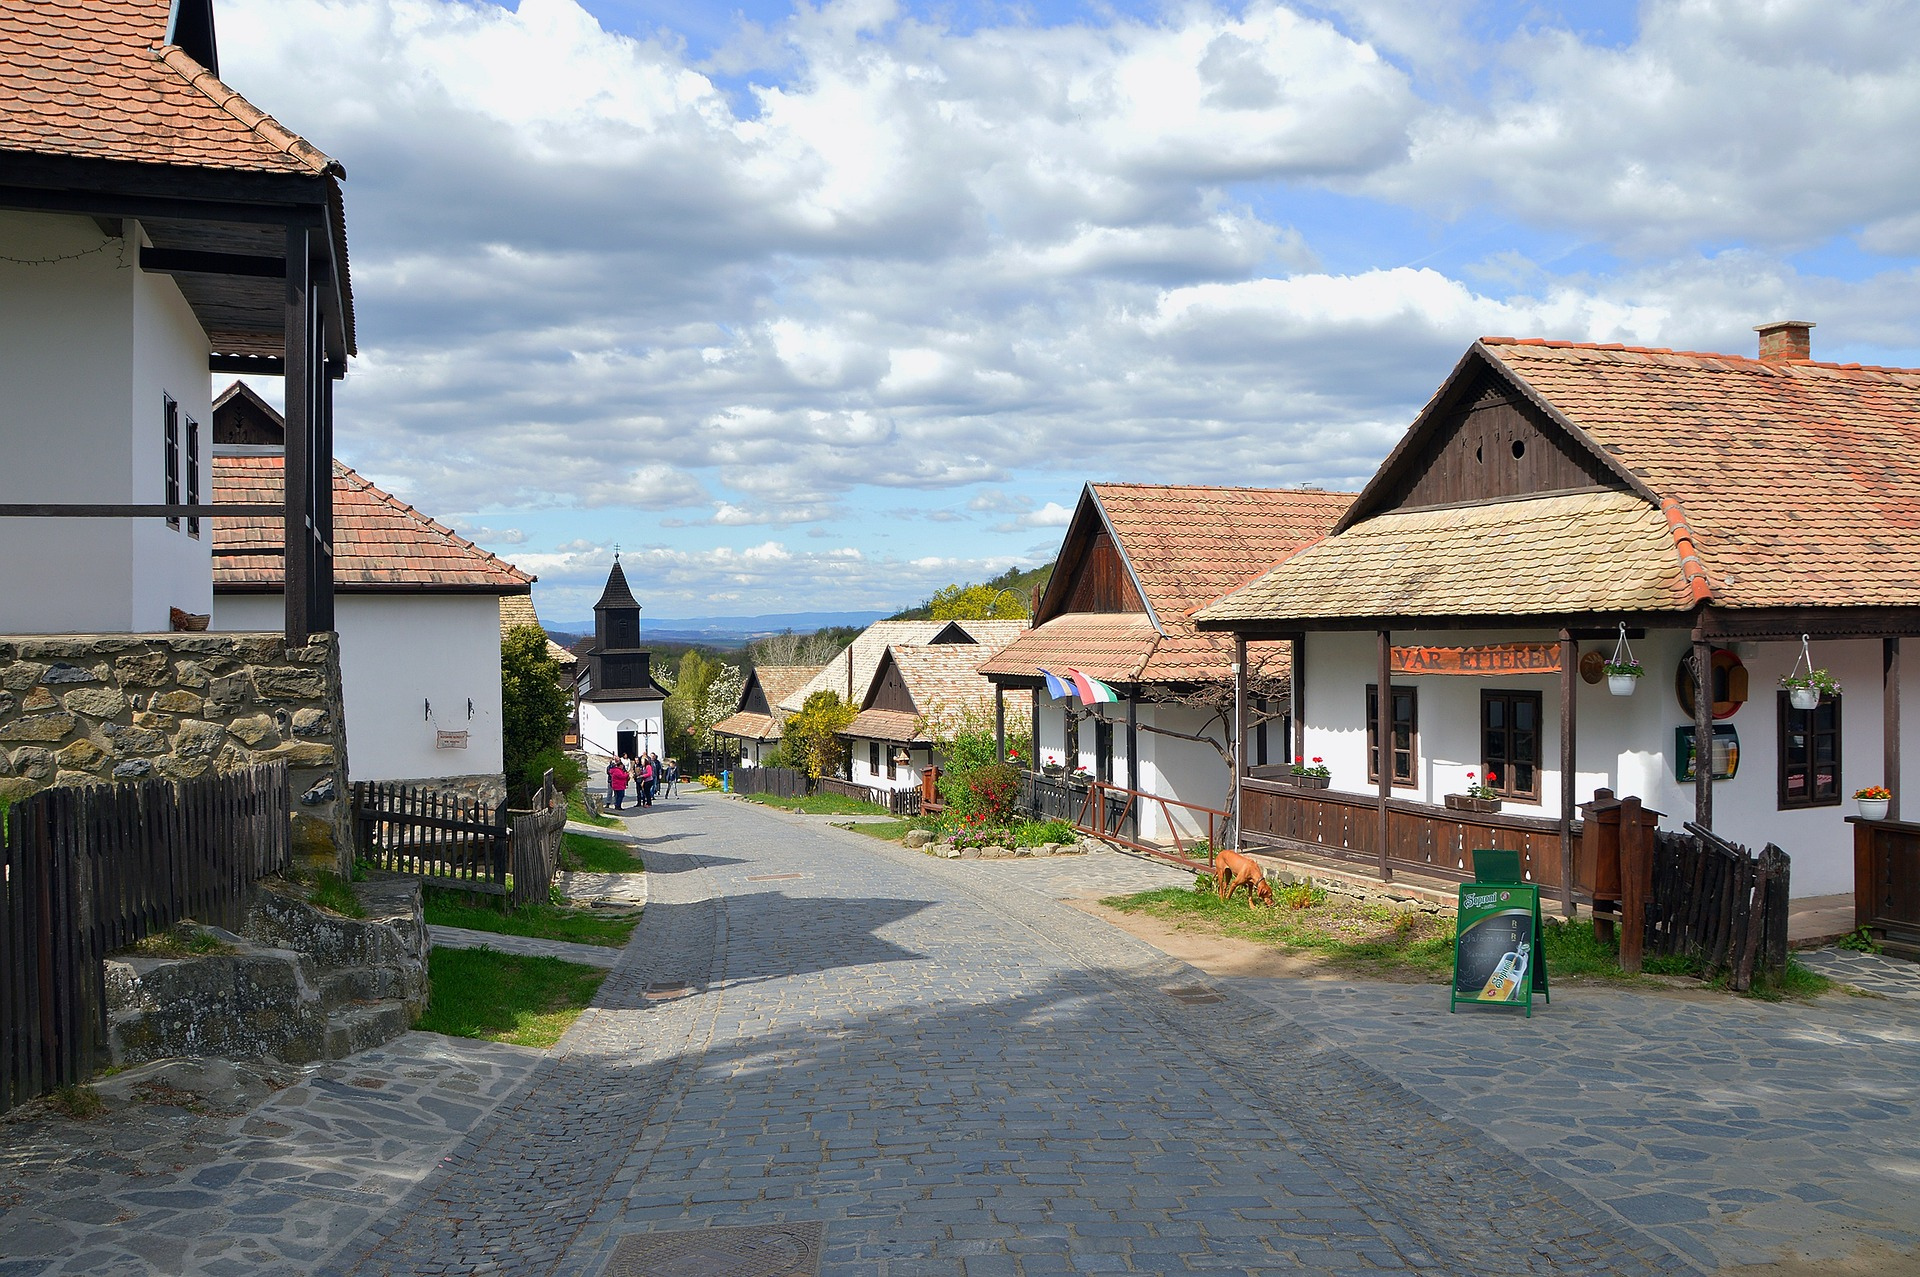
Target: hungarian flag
x,y
1057,687
1092,690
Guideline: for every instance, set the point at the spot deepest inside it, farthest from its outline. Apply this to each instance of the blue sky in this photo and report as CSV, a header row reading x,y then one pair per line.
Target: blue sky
x,y
822,307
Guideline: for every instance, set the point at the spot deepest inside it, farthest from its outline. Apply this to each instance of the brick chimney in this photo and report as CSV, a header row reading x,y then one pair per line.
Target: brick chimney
x,y
1785,340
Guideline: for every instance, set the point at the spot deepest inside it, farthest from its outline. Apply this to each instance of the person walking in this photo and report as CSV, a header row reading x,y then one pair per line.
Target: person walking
x,y
646,780
673,775
617,777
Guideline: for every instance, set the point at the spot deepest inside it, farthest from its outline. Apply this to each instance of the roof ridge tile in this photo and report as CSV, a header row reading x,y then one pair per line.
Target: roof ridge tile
x,y
228,99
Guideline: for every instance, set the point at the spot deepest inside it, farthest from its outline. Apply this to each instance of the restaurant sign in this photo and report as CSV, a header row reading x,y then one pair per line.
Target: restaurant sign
x,y
1490,658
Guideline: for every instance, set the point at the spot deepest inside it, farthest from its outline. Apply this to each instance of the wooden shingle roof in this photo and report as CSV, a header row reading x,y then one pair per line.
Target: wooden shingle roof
x,y
379,541
941,677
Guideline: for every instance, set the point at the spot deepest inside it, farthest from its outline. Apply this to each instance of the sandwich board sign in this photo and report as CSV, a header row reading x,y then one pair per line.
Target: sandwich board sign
x,y
1497,960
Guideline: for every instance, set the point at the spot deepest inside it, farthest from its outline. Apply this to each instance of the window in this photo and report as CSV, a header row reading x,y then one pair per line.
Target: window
x,y
1809,754
1103,750
893,766
193,473
1510,743
170,418
1072,758
873,758
1406,729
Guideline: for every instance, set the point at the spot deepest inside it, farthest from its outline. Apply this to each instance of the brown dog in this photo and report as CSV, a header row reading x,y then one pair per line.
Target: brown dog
x,y
1235,871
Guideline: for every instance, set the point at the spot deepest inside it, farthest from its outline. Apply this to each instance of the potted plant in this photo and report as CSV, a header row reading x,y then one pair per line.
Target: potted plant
x,y
1053,766
1804,690
1314,775
1623,676
1873,801
1479,797
1081,776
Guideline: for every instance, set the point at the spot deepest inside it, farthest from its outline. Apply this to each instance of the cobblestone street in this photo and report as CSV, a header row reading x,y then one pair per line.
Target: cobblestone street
x,y
921,1066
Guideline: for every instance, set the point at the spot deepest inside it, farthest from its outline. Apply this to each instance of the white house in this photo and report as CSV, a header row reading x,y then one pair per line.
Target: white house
x,y
850,672
893,738
417,608
1551,498
1135,561
622,711
154,227
756,726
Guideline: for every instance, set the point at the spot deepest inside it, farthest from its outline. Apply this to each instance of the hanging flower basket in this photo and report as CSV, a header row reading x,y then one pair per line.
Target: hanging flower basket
x,y
1805,685
1624,670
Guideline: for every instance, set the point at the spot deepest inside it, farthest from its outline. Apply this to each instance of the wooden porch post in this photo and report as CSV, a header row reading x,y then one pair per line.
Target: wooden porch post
x,y
1239,727
1034,765
1298,654
1890,720
297,529
322,618
1569,661
1133,744
1383,754
1702,730
1000,722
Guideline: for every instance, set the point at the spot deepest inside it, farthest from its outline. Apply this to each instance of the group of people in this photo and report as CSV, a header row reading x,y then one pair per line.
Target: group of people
x,y
648,776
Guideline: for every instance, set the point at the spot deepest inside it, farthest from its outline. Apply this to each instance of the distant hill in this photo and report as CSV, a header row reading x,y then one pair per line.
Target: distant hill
x,y
728,631
1027,583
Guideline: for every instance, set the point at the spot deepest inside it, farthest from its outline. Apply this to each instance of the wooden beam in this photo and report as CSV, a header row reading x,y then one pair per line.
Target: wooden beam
x,y
1133,745
76,510
1569,671
184,261
248,365
999,723
1890,720
297,531
1239,727
1298,653
1383,752
1702,731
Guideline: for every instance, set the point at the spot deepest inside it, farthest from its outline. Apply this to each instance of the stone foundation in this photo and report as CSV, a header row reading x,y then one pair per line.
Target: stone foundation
x,y
491,790
81,709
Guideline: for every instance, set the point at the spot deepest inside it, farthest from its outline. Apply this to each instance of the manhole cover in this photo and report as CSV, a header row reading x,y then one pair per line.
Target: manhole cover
x,y
772,877
1195,994
663,989
763,1250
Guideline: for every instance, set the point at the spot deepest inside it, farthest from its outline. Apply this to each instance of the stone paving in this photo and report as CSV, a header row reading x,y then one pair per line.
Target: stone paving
x,y
945,1070
1869,972
592,955
211,1170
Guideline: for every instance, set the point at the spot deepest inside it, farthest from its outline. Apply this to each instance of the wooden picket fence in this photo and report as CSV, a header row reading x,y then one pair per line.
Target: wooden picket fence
x,y
536,851
452,840
1715,900
782,782
899,802
88,870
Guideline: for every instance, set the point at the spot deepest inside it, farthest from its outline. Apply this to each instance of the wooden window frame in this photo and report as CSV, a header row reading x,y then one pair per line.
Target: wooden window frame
x,y
170,447
1103,750
1411,780
893,760
193,475
1789,802
873,757
1503,786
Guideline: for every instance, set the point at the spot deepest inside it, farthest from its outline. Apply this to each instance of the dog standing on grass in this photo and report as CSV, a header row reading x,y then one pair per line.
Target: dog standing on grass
x,y
1235,871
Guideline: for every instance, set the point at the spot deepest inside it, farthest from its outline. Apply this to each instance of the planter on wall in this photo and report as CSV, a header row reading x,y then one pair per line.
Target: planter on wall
x,y
1466,802
1873,808
1622,684
1310,782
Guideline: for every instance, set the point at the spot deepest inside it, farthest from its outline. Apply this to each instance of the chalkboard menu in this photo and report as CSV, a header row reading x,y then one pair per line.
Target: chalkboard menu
x,y
1497,960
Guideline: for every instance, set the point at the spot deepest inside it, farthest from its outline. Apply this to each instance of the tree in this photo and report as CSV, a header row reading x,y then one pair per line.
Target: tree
x,y
976,603
704,692
533,706
788,648
812,737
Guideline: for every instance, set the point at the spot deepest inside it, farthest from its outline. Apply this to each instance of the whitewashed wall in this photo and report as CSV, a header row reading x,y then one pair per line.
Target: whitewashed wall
x,y
906,775
88,347
601,722
1170,767
1627,743
398,653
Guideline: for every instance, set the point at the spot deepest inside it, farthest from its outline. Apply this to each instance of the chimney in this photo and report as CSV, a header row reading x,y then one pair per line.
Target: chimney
x,y
1785,340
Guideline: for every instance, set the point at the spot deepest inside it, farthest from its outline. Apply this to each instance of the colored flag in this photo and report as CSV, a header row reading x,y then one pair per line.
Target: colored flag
x,y
1057,687
1092,690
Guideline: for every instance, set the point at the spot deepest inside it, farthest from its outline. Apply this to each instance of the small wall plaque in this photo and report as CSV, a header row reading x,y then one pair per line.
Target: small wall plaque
x,y
450,740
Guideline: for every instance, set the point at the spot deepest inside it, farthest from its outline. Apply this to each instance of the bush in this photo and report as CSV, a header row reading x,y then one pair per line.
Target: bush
x,y
567,774
1035,833
534,709
812,736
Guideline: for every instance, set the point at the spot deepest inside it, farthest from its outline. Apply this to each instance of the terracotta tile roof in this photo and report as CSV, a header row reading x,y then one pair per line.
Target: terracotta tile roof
x,y
516,612
1591,551
380,542
94,79
1797,479
1187,545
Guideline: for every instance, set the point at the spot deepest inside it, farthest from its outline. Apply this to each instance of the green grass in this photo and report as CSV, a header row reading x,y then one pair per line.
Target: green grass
x,y
819,804
332,893
179,941
1368,939
597,855
885,830
543,922
501,997
577,810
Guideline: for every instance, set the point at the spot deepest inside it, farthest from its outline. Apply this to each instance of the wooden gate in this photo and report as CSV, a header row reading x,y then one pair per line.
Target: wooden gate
x,y
443,838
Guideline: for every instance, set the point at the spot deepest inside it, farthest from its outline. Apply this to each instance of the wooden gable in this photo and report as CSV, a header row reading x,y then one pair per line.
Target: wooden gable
x,y
753,700
953,632
1482,439
1091,574
889,688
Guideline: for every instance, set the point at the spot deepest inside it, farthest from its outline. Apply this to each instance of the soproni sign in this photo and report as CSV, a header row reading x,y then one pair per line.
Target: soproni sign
x,y
1489,658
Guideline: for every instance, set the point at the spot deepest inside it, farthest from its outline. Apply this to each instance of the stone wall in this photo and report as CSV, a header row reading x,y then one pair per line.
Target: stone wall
x,y
491,790
80,709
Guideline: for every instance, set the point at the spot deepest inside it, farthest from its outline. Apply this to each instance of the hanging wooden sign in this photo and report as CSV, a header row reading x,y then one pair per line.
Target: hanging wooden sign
x,y
1489,658
449,740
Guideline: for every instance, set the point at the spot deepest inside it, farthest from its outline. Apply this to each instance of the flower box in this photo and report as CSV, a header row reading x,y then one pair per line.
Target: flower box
x,y
1467,802
1310,782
